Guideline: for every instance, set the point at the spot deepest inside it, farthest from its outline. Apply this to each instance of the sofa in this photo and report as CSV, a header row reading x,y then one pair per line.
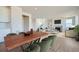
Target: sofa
x,y
70,33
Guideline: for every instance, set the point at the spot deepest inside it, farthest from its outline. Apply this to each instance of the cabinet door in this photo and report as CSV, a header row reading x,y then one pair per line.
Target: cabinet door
x,y
4,14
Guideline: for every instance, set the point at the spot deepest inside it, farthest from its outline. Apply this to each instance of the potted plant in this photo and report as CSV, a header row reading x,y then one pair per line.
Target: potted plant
x,y
77,32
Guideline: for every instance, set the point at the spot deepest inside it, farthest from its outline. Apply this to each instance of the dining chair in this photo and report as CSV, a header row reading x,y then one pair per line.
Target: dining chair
x,y
45,45
33,48
52,38
11,34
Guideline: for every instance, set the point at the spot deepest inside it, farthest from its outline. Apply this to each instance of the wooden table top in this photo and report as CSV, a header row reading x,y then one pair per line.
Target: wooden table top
x,y
19,40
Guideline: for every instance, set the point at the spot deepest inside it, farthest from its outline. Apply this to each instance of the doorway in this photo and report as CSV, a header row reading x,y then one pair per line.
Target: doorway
x,y
25,23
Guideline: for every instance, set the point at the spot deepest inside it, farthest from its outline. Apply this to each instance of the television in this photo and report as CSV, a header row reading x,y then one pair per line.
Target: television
x,y
57,22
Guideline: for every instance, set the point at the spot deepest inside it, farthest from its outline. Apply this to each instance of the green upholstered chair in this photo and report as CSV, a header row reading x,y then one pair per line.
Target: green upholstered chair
x,y
33,48
22,33
52,38
45,45
41,46
23,47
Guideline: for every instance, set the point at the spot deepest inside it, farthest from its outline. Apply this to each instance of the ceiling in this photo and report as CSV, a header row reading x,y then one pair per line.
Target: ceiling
x,y
48,11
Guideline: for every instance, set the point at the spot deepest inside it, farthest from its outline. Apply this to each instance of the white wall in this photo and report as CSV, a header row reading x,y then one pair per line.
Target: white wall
x,y
77,20
16,19
38,22
34,24
30,22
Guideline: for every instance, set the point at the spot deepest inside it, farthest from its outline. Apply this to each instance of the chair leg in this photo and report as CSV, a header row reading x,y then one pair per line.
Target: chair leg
x,y
22,48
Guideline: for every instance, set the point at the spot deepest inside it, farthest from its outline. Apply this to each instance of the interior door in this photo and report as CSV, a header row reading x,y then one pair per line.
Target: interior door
x,y
26,23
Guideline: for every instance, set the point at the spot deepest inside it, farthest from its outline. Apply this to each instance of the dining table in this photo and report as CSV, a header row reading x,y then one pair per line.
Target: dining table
x,y
21,40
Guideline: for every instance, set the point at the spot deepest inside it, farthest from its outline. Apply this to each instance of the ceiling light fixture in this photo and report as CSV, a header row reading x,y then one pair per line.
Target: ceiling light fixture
x,y
36,8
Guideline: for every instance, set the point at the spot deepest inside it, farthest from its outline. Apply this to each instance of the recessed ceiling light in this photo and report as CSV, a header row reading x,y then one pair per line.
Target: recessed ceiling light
x,y
36,8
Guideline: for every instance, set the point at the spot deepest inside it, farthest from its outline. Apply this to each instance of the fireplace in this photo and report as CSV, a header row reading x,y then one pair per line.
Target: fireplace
x,y
58,29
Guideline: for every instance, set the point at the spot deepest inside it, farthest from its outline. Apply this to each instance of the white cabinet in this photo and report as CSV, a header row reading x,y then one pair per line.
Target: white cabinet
x,y
4,14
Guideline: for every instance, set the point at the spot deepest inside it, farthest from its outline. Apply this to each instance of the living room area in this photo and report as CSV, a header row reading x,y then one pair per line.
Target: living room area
x,y
39,28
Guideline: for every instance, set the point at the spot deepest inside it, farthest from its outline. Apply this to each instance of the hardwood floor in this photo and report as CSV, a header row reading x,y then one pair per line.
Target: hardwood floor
x,y
64,44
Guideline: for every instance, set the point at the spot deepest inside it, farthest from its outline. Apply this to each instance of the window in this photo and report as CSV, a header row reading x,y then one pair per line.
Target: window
x,y
70,22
